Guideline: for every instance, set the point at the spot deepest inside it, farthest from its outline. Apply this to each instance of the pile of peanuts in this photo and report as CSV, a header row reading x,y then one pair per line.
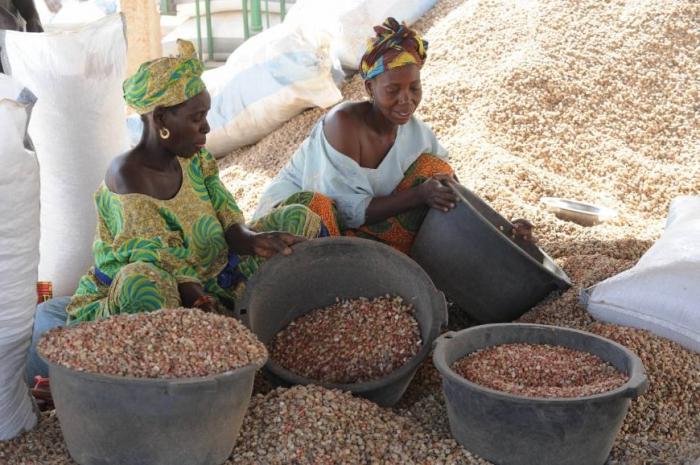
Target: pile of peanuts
x,y
539,370
350,341
169,343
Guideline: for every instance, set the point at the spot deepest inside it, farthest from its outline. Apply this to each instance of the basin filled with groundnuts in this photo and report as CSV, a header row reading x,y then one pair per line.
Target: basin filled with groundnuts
x,y
519,394
159,388
344,313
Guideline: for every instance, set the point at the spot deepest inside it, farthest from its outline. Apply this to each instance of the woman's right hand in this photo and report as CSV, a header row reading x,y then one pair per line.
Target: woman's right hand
x,y
269,244
436,192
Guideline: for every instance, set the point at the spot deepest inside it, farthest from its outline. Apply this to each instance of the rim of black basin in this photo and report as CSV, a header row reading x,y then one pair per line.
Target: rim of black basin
x,y
637,383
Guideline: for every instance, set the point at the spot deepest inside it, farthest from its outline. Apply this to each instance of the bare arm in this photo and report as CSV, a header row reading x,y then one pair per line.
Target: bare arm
x,y
434,193
7,22
381,208
28,11
242,241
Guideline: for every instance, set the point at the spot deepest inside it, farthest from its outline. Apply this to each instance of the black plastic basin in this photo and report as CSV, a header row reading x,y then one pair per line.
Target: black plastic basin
x,y
509,429
321,270
470,256
113,420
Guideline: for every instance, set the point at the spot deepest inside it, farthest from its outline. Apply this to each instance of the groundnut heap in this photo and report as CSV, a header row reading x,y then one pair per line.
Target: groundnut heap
x,y
351,341
171,343
539,370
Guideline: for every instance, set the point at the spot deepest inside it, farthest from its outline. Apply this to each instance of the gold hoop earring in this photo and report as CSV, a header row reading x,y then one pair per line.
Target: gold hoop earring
x,y
164,133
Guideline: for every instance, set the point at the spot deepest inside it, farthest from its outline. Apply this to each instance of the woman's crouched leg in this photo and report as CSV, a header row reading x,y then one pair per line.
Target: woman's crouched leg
x,y
137,287
295,219
321,205
142,287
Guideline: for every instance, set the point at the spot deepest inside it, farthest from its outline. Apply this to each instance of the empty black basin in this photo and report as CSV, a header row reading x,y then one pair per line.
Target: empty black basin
x,y
470,257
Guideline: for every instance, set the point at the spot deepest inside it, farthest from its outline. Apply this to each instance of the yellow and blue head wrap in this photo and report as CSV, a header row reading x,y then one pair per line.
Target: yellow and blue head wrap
x,y
165,81
395,45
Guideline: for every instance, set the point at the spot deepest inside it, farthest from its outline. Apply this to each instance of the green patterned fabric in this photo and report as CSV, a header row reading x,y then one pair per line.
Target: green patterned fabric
x,y
295,219
145,247
166,81
397,231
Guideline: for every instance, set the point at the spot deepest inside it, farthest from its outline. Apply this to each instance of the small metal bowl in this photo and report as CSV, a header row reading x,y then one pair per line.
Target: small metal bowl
x,y
585,214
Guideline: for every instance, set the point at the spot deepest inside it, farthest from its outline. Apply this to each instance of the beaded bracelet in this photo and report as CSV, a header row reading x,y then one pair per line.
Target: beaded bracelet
x,y
203,300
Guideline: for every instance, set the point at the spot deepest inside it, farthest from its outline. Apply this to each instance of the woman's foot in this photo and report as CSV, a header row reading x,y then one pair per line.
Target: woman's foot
x,y
42,394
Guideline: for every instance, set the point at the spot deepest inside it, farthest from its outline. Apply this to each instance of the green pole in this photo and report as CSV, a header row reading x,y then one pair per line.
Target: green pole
x,y
256,25
199,30
283,9
210,35
246,29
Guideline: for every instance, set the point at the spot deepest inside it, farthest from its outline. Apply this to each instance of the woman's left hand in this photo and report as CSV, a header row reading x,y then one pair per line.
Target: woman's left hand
x,y
34,25
268,244
522,229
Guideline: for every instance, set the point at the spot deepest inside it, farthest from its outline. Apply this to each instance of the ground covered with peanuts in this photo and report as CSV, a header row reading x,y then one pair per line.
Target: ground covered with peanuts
x,y
592,100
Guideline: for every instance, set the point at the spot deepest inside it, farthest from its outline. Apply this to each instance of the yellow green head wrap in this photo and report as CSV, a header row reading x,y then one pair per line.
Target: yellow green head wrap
x,y
395,45
165,81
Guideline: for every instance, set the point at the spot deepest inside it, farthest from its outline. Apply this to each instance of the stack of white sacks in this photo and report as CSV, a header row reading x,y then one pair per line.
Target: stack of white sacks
x,y
19,255
76,127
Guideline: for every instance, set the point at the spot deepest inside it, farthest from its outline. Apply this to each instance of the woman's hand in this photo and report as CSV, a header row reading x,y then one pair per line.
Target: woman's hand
x,y
522,229
34,25
436,193
268,244
192,295
244,241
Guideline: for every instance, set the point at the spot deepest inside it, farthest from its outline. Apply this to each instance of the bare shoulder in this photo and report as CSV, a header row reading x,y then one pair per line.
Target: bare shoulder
x,y
122,174
341,127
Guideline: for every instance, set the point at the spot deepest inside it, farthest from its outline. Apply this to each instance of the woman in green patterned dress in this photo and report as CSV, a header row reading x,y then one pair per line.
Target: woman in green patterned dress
x,y
169,233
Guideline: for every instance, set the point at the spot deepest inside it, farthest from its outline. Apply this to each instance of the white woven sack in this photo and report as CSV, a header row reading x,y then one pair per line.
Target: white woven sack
x,y
661,293
351,22
19,255
77,127
267,81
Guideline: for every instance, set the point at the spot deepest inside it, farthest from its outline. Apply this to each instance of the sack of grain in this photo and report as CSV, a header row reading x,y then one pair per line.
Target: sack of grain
x,y
19,254
660,293
77,127
350,22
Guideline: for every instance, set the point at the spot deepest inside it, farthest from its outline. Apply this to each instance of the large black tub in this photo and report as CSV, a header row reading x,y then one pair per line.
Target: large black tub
x,y
509,429
322,270
119,420
470,256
